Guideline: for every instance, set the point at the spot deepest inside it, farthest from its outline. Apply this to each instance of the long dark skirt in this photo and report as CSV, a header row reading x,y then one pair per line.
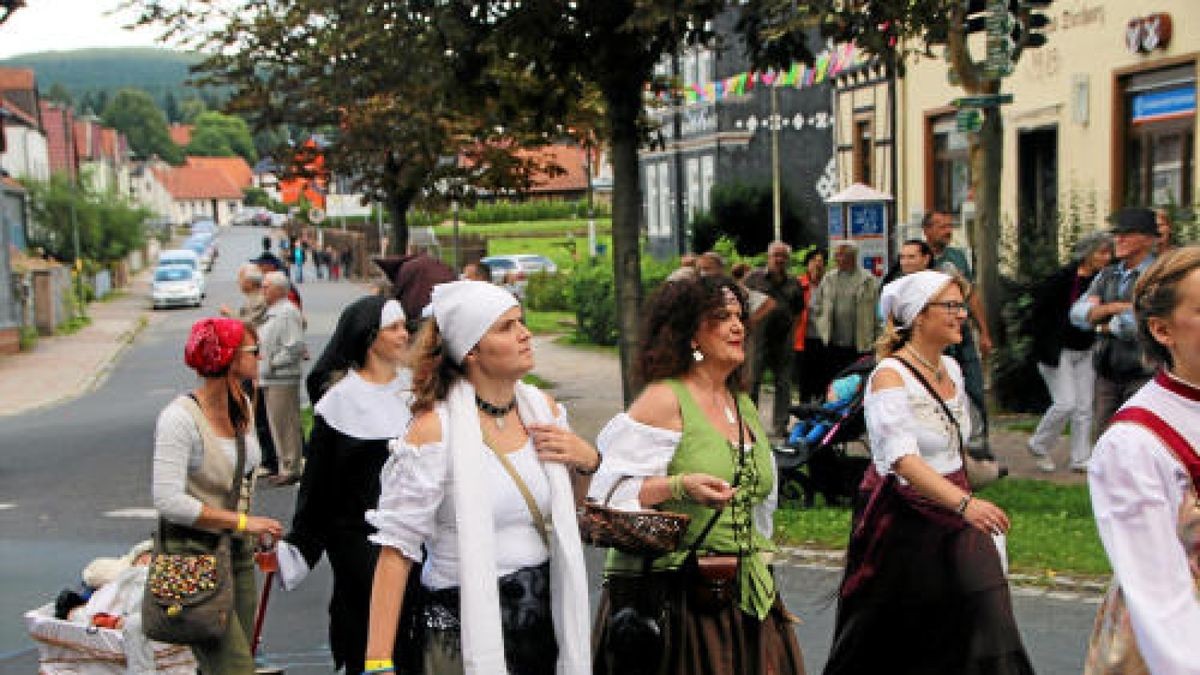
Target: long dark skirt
x,y
689,641
923,592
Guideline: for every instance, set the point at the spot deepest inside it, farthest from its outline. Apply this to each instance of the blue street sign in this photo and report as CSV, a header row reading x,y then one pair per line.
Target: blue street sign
x,y
866,220
837,230
1163,105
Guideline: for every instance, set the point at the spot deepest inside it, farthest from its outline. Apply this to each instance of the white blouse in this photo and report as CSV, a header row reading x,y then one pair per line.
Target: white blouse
x,y
416,506
908,421
1138,488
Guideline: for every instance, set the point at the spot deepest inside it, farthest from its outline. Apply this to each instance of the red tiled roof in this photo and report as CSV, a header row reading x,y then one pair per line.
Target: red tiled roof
x,y
16,78
571,162
235,168
58,125
181,134
16,112
191,182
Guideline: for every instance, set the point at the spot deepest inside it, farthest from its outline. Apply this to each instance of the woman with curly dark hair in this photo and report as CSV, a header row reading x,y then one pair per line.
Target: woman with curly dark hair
x,y
693,443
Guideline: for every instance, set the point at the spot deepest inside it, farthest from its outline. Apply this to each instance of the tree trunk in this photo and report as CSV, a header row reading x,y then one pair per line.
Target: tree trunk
x,y
398,195
624,106
986,161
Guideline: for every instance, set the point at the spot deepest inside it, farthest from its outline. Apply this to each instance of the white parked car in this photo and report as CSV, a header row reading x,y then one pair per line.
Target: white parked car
x,y
513,271
187,258
175,285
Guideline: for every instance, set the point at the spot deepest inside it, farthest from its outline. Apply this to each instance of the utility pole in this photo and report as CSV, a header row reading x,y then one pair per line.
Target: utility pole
x,y
776,217
677,138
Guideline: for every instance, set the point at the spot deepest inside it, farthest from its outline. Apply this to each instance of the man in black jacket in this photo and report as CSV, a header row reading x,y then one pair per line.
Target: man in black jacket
x,y
773,338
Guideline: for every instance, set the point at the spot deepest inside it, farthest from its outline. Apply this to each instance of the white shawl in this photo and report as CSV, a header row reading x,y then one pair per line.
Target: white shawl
x,y
482,640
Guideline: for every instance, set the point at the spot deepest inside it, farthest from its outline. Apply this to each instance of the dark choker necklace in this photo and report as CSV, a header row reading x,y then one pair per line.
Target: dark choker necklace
x,y
498,412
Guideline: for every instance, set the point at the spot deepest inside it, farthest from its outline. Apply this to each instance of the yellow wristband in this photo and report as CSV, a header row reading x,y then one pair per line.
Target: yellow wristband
x,y
241,526
377,664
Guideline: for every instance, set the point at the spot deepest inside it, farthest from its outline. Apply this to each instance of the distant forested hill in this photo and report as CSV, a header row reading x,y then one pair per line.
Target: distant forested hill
x,y
91,75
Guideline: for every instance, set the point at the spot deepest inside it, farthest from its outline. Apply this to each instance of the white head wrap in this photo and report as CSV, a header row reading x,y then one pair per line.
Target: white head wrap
x,y
465,310
391,313
904,298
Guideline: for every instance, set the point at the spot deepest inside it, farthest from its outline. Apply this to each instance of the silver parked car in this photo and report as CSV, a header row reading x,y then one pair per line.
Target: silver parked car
x,y
176,285
513,271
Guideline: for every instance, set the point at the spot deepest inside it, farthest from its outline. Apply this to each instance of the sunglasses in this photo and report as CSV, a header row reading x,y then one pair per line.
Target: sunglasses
x,y
249,349
950,306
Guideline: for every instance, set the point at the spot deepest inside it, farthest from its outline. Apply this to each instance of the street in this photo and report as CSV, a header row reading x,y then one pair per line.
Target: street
x,y
75,480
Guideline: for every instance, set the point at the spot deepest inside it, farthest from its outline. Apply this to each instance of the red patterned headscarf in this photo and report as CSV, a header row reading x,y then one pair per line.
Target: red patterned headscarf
x,y
212,345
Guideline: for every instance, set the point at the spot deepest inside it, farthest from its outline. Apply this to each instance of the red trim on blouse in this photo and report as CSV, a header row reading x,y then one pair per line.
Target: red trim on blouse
x,y
1175,442
1177,386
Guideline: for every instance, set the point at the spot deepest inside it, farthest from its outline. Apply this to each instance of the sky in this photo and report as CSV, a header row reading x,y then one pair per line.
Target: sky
x,y
45,25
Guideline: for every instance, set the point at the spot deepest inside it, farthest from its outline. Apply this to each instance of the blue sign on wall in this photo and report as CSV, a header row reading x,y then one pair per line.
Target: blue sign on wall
x,y
1167,104
836,229
866,220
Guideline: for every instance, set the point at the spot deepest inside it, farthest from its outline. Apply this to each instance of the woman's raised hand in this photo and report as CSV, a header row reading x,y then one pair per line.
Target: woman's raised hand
x,y
261,526
707,490
556,444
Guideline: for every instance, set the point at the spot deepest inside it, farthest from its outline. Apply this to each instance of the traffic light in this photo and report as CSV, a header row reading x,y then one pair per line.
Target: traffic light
x,y
1035,22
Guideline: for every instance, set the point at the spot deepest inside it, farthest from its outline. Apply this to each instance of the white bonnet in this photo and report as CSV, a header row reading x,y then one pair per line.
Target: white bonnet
x,y
904,298
465,310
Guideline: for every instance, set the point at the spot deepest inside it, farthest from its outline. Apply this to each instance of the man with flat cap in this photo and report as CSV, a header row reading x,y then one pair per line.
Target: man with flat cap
x,y
1107,308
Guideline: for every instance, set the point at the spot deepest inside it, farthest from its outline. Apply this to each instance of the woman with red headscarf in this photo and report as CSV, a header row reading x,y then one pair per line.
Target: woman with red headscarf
x,y
199,440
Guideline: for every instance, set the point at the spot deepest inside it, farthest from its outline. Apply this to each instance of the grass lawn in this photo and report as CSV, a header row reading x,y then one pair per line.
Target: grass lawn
x,y
1053,532
545,322
525,228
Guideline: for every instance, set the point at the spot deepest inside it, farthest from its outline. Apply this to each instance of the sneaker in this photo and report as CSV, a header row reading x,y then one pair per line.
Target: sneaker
x,y
1045,464
1079,468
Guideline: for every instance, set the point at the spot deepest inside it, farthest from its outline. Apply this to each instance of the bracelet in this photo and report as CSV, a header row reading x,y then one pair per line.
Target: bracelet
x,y
594,469
241,524
962,504
385,669
378,666
678,489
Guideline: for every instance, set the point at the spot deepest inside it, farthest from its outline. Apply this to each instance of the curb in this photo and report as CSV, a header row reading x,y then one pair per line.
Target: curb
x,y
105,367
1053,585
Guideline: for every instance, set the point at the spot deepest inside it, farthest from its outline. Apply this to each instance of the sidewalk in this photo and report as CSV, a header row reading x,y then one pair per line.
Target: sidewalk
x,y
62,367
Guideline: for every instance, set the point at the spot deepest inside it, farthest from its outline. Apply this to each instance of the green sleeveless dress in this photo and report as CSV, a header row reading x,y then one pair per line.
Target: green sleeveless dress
x,y
703,449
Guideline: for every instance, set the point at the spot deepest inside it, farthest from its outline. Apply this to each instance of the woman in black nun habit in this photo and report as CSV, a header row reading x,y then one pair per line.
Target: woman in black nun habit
x,y
362,393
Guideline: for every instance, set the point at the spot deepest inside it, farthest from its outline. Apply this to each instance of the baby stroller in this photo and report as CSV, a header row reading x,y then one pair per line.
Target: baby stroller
x,y
815,457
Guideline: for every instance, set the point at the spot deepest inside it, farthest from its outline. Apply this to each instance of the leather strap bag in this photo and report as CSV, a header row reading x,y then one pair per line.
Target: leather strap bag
x,y
711,580
980,472
189,596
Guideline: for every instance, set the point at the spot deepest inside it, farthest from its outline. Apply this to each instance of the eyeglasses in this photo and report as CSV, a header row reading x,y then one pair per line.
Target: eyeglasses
x,y
249,349
952,306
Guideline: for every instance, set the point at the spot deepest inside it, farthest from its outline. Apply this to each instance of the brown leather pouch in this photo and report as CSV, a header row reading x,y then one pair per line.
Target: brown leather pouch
x,y
711,580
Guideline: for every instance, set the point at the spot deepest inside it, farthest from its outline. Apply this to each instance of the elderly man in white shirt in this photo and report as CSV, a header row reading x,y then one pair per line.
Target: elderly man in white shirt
x,y
281,344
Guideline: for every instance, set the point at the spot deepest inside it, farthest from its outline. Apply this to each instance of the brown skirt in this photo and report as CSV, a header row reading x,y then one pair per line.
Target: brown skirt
x,y
688,641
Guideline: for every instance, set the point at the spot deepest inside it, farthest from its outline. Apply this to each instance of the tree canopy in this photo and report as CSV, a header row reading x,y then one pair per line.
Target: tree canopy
x,y
220,135
134,113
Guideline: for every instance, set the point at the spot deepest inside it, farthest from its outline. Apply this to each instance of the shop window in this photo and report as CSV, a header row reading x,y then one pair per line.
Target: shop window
x,y
949,174
1159,137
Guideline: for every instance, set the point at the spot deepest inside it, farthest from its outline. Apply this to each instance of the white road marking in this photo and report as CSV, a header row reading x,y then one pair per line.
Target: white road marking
x,y
6,506
133,512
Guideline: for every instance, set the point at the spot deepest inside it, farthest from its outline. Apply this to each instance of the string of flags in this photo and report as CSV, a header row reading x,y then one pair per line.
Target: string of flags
x,y
827,64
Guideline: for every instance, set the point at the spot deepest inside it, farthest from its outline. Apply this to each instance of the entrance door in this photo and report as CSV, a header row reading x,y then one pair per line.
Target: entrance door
x,y
1037,190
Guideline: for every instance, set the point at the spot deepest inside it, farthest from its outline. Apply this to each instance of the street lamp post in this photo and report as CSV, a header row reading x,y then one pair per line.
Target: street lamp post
x,y
775,200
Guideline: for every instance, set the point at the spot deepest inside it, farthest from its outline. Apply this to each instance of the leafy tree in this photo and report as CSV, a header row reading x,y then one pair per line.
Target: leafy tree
x,y
108,227
59,94
387,102
737,205
190,109
171,108
134,113
614,45
220,135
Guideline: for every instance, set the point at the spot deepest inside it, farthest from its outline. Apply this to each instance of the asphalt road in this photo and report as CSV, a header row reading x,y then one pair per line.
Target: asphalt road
x,y
74,485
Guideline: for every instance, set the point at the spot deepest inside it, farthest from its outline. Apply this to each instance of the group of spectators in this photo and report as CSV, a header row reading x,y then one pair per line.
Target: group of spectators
x,y
328,261
435,472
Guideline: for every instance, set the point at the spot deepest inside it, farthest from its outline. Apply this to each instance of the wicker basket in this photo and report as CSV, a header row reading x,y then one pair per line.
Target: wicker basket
x,y
645,532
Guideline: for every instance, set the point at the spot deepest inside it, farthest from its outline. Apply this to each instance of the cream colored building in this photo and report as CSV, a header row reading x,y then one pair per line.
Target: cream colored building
x,y
1103,116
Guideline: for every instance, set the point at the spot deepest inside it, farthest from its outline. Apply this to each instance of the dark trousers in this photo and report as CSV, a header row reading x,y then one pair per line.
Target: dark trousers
x,y
774,353
1110,396
270,461
809,373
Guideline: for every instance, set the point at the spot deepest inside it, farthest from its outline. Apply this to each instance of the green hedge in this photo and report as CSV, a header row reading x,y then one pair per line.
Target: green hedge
x,y
594,296
549,292
503,212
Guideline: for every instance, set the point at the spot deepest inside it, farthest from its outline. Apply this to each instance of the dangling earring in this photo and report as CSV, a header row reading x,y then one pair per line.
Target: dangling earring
x,y
697,355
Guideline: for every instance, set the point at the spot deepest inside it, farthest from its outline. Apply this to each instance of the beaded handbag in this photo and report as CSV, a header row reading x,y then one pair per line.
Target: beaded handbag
x,y
189,596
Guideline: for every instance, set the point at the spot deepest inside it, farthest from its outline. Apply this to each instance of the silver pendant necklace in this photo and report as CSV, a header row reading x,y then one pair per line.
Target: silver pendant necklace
x,y
937,371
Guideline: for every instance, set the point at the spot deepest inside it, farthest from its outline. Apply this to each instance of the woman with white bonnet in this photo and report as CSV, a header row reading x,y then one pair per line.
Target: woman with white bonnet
x,y
362,393
924,590
482,480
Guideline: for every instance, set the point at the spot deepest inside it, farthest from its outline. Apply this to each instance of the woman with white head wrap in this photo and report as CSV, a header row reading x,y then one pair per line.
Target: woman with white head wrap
x,y
363,395
477,480
921,543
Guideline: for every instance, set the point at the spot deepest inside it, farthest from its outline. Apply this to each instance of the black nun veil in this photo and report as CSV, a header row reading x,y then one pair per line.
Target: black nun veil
x,y
356,329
